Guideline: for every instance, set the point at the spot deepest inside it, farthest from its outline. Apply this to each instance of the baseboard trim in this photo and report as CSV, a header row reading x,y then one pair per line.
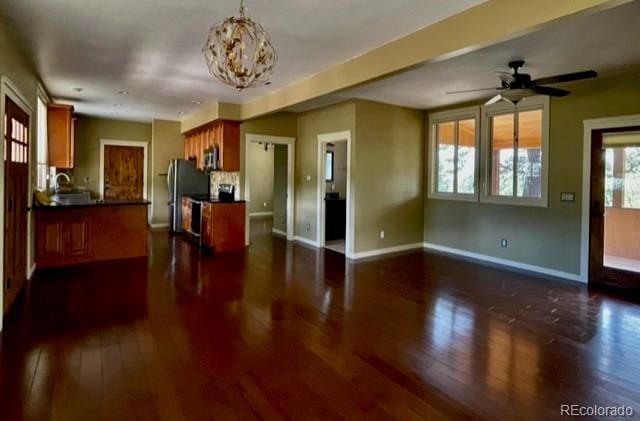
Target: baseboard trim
x,y
160,225
386,250
505,262
260,214
306,241
278,232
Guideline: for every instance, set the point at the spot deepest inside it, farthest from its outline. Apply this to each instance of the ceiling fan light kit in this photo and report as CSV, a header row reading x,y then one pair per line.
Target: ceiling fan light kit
x,y
239,52
516,86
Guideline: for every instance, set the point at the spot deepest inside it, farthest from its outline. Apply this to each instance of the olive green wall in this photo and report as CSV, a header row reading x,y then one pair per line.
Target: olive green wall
x,y
387,173
89,131
546,237
261,174
280,188
166,143
335,118
280,124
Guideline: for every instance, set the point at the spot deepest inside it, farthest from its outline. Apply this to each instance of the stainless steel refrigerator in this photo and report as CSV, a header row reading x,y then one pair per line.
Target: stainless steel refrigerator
x,y
183,179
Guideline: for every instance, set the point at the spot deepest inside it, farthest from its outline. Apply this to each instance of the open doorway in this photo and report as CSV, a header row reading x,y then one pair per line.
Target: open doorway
x,y
268,185
334,192
614,210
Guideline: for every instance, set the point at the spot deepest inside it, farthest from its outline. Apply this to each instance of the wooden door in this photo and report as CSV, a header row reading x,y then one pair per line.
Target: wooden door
x,y
123,172
599,274
16,178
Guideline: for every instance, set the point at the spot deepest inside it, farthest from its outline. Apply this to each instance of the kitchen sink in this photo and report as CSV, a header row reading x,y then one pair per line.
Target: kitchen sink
x,y
72,198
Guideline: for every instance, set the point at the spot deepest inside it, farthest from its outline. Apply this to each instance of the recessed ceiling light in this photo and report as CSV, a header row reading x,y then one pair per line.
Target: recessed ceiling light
x,y
117,105
77,89
122,92
181,112
196,102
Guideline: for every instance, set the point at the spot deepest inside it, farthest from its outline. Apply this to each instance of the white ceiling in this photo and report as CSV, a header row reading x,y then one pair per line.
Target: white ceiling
x,y
152,48
606,42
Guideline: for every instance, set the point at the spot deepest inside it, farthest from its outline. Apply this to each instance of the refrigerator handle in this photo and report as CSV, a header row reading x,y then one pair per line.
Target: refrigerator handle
x,y
169,172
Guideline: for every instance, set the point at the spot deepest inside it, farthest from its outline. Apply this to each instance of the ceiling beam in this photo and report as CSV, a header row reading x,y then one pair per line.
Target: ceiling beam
x,y
489,23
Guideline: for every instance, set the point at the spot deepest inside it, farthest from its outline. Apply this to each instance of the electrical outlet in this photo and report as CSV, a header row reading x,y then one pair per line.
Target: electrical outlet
x,y
86,179
382,234
503,243
308,227
308,178
264,204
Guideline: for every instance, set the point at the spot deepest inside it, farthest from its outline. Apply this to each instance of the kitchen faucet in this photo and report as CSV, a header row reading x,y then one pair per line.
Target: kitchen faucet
x,y
55,180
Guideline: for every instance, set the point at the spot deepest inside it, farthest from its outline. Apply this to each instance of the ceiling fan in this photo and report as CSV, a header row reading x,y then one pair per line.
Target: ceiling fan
x,y
516,86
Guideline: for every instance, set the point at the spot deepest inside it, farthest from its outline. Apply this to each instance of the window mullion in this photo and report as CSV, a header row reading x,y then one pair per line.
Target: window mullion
x,y
455,156
516,133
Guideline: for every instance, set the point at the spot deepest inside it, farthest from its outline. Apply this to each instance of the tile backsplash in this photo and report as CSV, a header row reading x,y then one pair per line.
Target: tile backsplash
x,y
221,177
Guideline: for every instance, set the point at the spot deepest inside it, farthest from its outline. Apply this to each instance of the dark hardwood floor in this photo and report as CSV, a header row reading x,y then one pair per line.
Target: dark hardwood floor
x,y
283,331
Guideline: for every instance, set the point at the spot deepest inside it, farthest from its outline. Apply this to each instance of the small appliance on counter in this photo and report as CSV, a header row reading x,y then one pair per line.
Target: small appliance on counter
x,y
226,193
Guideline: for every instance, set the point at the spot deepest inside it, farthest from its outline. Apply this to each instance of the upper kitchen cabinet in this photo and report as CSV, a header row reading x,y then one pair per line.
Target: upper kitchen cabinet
x,y
223,134
61,127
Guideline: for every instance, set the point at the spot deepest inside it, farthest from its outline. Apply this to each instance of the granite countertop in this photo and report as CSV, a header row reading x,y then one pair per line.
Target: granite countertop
x,y
210,199
93,202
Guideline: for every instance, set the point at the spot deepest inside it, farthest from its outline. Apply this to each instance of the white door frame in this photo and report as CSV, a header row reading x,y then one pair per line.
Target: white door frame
x,y
133,143
323,139
9,89
589,127
290,142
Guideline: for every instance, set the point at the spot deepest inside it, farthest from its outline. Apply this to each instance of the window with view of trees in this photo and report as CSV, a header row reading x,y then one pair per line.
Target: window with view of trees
x,y
515,140
455,152
622,181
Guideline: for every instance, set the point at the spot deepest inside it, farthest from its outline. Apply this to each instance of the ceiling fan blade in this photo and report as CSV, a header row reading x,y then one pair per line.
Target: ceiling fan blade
x,y
505,77
474,90
568,77
495,99
547,90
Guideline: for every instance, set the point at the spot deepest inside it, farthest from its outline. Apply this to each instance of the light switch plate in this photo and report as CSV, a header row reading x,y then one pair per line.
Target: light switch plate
x,y
567,197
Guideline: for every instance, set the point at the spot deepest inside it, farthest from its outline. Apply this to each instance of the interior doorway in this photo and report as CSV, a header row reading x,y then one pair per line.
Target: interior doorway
x,y
614,216
334,205
16,191
269,184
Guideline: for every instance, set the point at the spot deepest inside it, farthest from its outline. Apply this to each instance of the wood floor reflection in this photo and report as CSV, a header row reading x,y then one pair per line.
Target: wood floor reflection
x,y
283,331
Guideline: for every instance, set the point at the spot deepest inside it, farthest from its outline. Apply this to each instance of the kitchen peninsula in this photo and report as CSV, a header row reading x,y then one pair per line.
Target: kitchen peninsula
x,y
89,232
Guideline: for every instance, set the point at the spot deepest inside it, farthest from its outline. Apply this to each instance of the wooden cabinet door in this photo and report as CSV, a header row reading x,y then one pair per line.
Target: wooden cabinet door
x,y
186,214
61,133
123,172
228,223
207,224
75,237
49,237
230,146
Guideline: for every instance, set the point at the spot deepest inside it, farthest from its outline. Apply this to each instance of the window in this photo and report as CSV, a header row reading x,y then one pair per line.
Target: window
x,y
42,161
328,169
622,170
454,145
515,142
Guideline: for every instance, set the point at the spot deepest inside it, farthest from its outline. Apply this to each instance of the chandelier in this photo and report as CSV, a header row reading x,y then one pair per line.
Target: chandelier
x,y
239,52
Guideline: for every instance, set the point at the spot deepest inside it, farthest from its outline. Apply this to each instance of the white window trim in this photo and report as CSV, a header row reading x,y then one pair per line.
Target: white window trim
x,y
530,103
442,117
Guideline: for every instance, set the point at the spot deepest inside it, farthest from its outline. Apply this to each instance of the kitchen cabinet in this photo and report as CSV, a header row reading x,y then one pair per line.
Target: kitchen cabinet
x,y
223,224
61,135
223,134
73,234
63,235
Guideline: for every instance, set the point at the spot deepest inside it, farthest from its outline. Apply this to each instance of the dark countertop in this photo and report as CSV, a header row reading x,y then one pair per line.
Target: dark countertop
x,y
92,203
210,199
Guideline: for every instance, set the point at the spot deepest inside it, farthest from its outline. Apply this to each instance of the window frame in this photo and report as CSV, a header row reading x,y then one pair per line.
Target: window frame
x,y
457,115
488,111
42,96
